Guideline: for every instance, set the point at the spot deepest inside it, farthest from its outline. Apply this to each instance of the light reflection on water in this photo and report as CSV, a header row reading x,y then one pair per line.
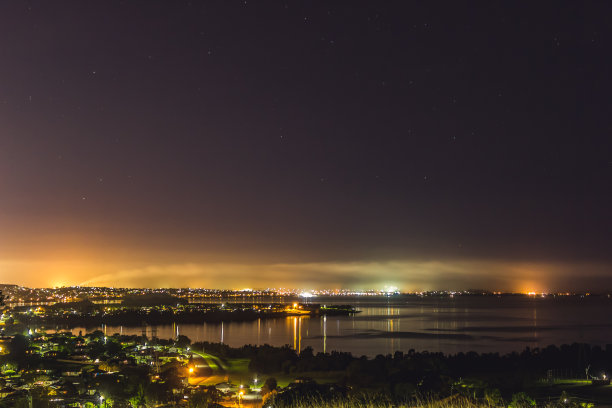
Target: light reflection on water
x,y
386,325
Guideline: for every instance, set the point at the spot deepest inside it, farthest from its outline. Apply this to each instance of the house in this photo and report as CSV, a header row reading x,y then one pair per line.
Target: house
x,y
6,391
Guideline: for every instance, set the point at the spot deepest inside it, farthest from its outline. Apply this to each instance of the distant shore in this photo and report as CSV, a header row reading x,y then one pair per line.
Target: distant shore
x,y
83,314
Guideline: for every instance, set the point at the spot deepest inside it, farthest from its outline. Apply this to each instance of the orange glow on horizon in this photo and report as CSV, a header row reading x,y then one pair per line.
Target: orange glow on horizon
x,y
113,269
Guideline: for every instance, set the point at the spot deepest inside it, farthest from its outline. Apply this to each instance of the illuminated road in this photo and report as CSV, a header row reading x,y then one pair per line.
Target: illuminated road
x,y
208,370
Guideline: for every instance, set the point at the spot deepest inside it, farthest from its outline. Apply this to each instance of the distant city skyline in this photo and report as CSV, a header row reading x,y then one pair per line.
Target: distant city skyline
x,y
24,296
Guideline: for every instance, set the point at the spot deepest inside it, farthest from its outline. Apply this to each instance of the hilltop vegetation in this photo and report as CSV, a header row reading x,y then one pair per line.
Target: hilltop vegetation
x,y
157,371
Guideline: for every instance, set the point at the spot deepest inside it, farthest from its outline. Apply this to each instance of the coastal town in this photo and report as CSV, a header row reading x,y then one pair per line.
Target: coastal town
x,y
60,368
66,370
56,351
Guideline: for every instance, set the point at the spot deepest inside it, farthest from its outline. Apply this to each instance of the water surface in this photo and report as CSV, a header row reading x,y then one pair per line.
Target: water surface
x,y
387,324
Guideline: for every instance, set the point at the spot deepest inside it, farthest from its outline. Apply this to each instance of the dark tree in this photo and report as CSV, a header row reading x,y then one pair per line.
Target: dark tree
x,y
18,347
269,386
183,341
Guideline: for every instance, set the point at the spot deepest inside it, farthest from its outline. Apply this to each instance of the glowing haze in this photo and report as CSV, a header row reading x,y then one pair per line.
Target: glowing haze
x,y
309,145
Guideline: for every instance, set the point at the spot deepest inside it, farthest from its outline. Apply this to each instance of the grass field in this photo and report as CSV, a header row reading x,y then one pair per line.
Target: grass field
x,y
451,402
236,370
321,377
578,390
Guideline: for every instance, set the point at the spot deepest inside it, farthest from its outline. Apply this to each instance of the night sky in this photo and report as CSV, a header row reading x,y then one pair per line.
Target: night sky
x,y
308,144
